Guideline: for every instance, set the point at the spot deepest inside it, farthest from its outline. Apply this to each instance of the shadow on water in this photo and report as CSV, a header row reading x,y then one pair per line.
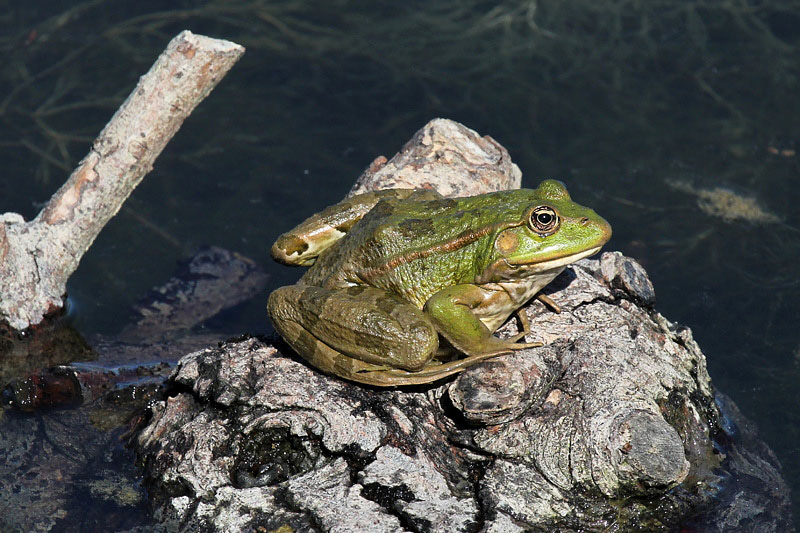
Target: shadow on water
x,y
675,120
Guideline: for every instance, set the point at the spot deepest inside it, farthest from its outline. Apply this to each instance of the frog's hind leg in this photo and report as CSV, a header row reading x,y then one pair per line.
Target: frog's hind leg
x,y
355,332
325,358
429,373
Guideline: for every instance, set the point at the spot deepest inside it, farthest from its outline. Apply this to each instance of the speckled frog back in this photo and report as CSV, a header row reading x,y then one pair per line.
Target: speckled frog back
x,y
414,248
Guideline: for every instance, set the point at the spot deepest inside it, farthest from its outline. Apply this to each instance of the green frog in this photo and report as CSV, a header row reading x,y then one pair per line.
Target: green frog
x,y
393,270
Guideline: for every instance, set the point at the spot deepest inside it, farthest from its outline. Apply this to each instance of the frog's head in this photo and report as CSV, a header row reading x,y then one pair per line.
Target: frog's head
x,y
554,232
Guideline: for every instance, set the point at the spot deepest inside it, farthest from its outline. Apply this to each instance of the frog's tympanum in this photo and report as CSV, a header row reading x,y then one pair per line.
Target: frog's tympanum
x,y
392,270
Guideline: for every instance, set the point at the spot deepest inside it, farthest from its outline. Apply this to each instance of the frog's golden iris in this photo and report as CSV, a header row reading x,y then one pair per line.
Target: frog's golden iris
x,y
544,220
392,270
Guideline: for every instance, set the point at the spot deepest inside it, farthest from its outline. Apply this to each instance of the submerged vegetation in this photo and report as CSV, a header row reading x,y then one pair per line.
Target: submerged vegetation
x,y
627,73
726,204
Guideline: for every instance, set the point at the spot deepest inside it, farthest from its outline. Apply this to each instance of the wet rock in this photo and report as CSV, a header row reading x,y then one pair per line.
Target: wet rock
x,y
65,468
231,510
521,492
505,387
649,452
212,280
336,504
61,474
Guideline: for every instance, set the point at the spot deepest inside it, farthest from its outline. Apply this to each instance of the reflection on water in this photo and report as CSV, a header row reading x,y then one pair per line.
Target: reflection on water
x,y
675,120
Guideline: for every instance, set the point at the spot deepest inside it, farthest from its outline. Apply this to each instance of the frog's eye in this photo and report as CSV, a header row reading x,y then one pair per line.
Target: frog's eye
x,y
544,220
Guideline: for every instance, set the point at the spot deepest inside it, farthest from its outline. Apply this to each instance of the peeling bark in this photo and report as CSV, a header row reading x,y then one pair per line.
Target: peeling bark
x,y
37,257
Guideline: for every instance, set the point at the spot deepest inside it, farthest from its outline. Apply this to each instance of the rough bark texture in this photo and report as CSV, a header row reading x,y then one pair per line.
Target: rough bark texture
x,y
446,156
37,257
613,422
611,425
66,469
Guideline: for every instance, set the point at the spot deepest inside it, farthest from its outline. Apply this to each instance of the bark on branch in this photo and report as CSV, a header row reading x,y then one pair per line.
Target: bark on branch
x,y
37,257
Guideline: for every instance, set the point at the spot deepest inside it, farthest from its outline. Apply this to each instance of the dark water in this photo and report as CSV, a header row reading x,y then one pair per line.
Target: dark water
x,y
677,121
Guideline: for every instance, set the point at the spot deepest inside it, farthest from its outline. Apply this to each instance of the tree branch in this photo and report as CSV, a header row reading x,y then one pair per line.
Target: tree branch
x,y
37,257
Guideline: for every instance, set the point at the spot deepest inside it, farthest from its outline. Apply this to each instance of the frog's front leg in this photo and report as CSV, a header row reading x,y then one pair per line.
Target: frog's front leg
x,y
356,333
454,311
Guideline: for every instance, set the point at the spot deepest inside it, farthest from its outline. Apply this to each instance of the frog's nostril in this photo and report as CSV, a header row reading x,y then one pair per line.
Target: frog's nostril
x,y
584,221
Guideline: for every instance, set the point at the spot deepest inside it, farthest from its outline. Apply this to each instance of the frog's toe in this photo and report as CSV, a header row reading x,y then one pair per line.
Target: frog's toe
x,y
514,344
525,345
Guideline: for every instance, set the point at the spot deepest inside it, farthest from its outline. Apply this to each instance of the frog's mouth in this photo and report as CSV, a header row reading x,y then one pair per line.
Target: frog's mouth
x,y
503,270
558,262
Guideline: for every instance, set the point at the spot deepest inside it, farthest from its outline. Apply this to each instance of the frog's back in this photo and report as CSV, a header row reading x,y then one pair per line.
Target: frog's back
x,y
415,248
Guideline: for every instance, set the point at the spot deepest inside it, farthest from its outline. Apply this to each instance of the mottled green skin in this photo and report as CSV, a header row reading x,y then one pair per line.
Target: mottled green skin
x,y
391,269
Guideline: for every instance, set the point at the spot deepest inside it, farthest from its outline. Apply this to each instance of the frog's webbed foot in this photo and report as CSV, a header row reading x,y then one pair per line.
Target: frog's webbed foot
x,y
525,328
522,345
302,245
526,323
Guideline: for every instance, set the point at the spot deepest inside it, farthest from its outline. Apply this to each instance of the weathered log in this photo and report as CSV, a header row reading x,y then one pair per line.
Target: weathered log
x,y
611,425
37,257
46,456
446,156
162,329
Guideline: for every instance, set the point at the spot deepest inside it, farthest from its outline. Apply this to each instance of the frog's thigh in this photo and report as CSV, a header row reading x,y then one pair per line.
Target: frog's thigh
x,y
331,327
